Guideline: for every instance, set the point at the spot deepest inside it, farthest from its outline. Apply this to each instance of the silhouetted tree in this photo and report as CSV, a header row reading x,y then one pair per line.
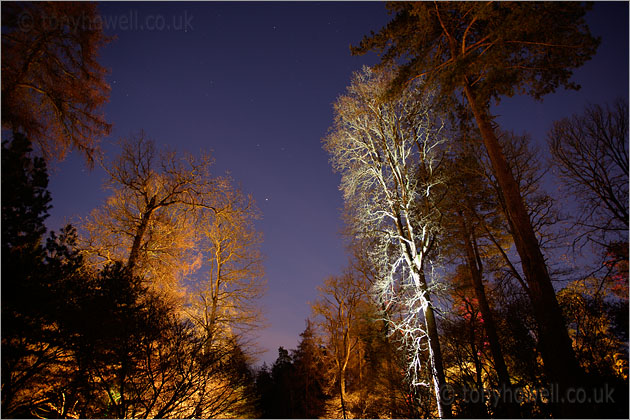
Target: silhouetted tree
x,y
591,154
25,307
308,368
284,394
294,386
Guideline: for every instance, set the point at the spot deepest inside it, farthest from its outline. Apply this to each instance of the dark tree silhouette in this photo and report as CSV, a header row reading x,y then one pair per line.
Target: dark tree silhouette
x,y
591,154
25,205
293,386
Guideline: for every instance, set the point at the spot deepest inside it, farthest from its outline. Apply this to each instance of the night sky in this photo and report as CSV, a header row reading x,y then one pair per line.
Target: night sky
x,y
255,83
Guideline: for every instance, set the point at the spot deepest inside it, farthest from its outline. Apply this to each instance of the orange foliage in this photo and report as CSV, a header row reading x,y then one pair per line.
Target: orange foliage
x,y
52,85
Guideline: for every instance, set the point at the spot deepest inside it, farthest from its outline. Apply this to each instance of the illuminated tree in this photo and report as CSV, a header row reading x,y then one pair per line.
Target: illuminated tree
x,y
484,51
80,342
224,305
148,221
591,309
389,152
588,305
377,380
52,85
165,215
591,154
338,309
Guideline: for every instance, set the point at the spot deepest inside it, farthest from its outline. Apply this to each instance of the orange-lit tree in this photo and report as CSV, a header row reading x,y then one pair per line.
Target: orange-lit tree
x,y
148,222
52,84
338,312
466,204
224,304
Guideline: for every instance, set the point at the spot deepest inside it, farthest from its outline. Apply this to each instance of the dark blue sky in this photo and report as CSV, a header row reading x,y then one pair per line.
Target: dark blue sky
x,y
255,83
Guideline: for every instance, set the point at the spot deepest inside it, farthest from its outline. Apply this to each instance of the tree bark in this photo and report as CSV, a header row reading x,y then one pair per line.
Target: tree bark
x,y
555,345
211,325
416,265
435,352
342,391
137,240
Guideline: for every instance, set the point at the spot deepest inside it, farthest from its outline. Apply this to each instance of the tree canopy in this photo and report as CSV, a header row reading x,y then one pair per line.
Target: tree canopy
x,y
499,48
53,86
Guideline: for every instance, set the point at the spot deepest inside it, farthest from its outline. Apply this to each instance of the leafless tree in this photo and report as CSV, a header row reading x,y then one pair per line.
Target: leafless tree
x,y
165,216
337,309
224,305
148,221
389,152
591,154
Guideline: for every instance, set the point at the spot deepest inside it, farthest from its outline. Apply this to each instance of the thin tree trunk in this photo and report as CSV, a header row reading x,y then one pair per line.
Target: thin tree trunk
x,y
482,412
554,342
342,370
435,352
476,270
342,391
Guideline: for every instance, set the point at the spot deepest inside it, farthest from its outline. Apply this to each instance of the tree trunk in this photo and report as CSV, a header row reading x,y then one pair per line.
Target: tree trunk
x,y
342,391
554,342
211,326
480,410
476,270
137,240
435,352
